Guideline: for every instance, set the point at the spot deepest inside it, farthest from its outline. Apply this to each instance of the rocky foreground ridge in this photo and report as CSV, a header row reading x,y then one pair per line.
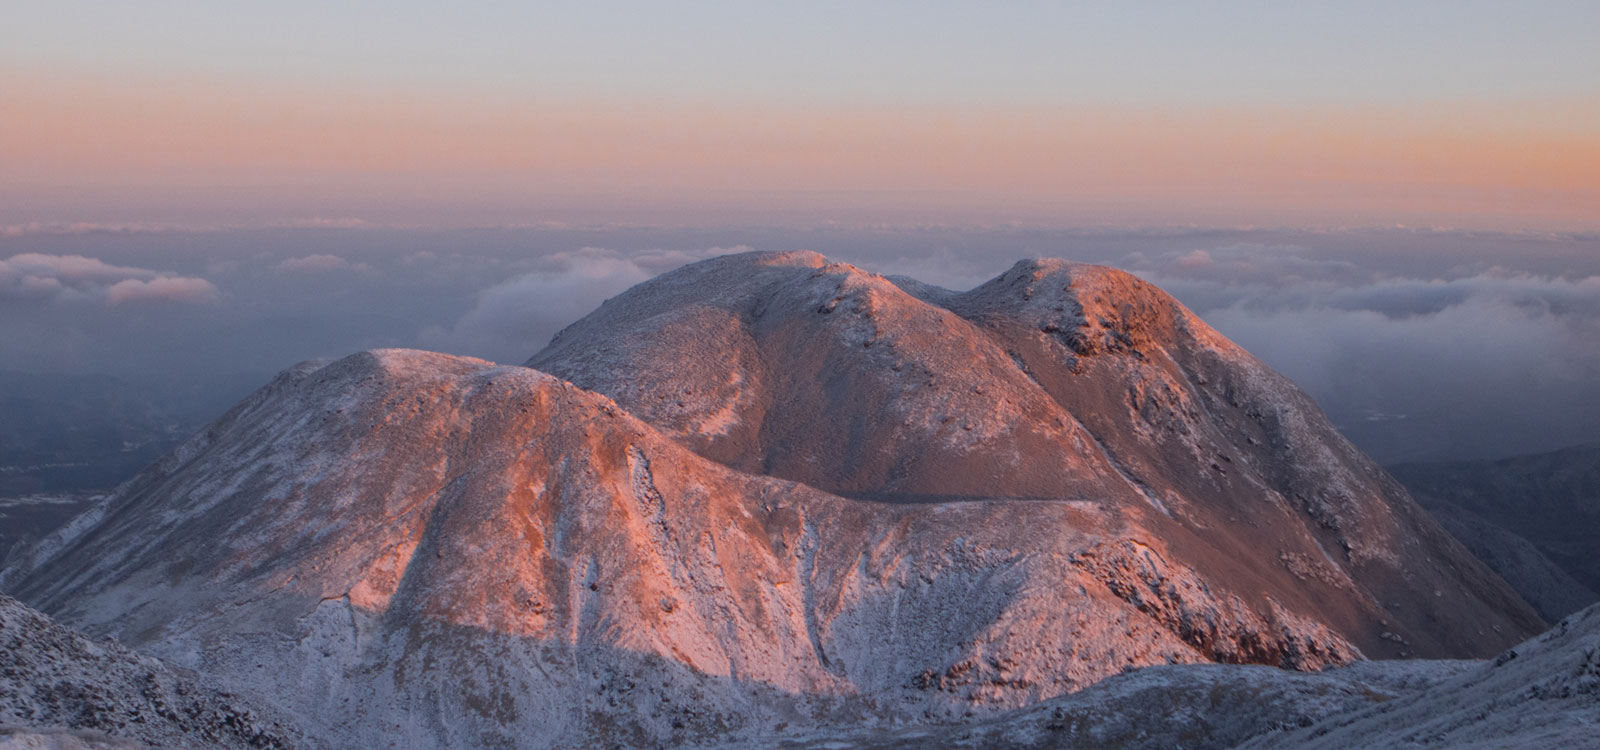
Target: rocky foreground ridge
x,y
772,493
60,691
58,688
1542,693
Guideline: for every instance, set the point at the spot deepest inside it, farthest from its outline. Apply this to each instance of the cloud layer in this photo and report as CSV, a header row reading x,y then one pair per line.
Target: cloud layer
x,y
515,318
321,263
38,277
1477,364
1419,344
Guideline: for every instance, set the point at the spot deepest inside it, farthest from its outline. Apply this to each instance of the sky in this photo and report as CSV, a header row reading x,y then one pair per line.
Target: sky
x,y
1470,115
1393,203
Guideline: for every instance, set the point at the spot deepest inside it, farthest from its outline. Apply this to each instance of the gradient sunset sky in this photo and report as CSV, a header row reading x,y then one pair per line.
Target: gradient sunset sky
x,y
1458,114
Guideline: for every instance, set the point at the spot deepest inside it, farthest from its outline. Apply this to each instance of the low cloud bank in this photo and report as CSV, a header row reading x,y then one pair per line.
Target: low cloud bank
x,y
1420,345
41,278
1471,365
517,317
321,263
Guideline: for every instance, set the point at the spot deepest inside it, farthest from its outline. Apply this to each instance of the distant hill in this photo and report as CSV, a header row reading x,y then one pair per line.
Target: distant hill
x,y
1534,519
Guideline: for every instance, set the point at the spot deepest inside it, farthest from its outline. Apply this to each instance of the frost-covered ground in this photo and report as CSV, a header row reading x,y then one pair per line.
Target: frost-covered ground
x,y
1544,693
1189,706
59,689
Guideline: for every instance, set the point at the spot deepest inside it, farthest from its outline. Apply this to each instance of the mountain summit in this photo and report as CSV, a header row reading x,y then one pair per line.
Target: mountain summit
x,y
1055,380
767,491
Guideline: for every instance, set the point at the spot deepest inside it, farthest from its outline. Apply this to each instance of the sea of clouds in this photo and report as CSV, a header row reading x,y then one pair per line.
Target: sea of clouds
x,y
1420,344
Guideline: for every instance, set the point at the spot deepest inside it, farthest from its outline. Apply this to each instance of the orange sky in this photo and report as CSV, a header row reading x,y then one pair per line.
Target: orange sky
x,y
197,147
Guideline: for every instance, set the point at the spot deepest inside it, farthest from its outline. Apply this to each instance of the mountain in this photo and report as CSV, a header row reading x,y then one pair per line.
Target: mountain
x,y
458,551
1551,590
60,689
841,504
1533,519
1055,380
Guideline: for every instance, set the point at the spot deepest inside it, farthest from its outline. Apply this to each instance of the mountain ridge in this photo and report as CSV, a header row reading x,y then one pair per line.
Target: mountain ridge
x,y
1133,392
456,551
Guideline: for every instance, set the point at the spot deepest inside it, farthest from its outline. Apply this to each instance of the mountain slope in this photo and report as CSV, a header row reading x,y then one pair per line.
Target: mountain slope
x,y
1193,706
1544,692
355,538
1054,380
1547,586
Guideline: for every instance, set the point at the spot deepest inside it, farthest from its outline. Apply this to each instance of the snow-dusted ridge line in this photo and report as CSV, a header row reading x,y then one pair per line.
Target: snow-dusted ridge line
x,y
1544,692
